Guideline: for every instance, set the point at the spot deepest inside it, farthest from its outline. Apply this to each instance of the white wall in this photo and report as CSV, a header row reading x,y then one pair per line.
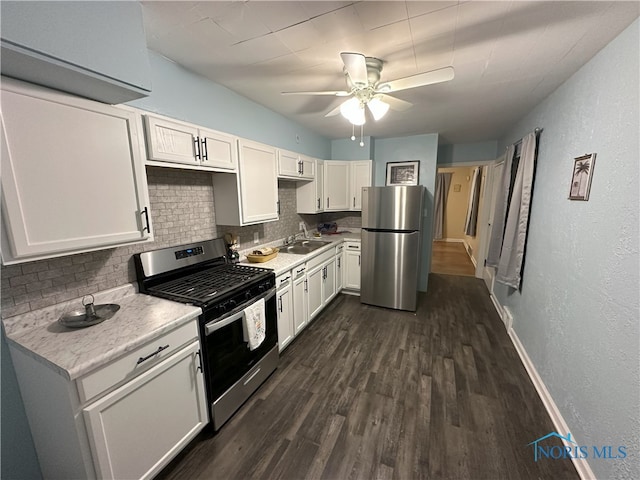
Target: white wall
x,y
577,313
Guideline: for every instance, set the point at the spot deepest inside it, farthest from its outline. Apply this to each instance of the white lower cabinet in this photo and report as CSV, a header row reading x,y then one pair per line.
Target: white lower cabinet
x,y
300,298
136,429
126,419
315,278
321,278
284,305
352,261
339,267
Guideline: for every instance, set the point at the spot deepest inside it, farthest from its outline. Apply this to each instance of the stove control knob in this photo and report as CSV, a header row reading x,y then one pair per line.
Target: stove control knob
x,y
232,304
247,295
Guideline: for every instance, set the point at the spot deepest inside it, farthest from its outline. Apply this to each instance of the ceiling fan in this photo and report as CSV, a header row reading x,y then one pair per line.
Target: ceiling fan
x,y
362,75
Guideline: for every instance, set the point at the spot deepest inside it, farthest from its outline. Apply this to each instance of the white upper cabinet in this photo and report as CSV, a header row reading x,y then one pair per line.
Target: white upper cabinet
x,y
337,196
251,196
293,166
73,176
184,143
360,177
343,182
309,195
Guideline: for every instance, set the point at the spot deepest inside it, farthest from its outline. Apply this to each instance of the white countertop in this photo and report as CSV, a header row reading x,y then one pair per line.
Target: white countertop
x,y
286,261
74,352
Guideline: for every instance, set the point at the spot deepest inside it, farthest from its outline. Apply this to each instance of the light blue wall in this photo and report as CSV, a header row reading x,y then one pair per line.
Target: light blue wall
x,y
467,152
577,314
347,149
184,95
418,147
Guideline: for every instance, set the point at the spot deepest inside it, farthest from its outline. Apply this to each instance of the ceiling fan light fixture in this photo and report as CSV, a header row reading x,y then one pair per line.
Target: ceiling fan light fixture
x,y
378,108
353,111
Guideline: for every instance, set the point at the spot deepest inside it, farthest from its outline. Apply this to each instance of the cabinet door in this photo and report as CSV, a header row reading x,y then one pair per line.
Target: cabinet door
x,y
169,141
300,307
285,316
136,430
315,279
288,164
339,271
258,182
72,174
218,150
360,177
352,270
336,186
307,168
329,283
309,195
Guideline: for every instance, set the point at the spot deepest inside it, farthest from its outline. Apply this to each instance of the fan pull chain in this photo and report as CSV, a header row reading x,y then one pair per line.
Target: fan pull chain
x,y
362,135
353,132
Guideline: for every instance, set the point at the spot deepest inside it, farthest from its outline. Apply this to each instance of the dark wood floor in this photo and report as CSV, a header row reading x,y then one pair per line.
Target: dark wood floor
x,y
451,258
370,393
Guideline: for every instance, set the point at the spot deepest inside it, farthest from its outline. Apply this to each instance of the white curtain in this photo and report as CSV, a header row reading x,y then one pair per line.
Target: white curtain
x,y
443,182
500,209
515,233
474,201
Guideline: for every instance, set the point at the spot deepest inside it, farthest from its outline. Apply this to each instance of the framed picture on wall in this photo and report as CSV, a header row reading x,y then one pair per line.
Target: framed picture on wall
x,y
581,178
403,173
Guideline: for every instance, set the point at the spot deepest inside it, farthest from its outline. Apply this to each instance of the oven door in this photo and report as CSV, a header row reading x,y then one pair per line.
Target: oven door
x,y
227,354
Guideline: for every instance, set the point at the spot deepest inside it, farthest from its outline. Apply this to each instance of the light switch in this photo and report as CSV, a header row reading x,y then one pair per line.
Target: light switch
x,y
457,187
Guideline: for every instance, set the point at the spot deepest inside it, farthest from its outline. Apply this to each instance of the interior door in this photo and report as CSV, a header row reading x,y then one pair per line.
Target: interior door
x,y
488,273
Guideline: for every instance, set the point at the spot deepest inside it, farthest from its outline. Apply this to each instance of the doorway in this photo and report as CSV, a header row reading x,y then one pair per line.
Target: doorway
x,y
455,252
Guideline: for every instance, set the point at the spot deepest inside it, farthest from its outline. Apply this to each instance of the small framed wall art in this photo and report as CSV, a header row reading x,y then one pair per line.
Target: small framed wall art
x,y
403,173
581,177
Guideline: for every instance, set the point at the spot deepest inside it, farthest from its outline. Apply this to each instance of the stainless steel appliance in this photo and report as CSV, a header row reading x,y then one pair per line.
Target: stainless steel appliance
x,y
200,275
391,246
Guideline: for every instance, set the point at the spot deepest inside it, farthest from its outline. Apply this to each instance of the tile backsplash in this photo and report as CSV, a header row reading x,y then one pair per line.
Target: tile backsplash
x,y
182,211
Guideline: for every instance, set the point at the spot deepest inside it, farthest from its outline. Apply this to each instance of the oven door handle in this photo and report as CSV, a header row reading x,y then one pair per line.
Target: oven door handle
x,y
235,314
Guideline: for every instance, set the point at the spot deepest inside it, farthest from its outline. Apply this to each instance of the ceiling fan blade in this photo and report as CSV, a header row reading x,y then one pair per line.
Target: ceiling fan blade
x,y
356,66
334,112
419,80
396,103
335,93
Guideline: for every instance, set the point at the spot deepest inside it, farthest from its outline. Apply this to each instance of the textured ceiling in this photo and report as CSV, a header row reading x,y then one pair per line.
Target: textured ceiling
x,y
507,55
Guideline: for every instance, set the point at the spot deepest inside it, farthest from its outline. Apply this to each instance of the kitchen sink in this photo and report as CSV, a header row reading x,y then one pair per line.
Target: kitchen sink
x,y
302,247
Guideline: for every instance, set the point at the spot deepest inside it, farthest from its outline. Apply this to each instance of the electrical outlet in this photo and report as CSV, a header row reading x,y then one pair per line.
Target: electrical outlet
x,y
256,237
301,226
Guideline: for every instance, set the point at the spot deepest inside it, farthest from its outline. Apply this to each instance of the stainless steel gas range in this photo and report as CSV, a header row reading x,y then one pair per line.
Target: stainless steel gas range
x,y
200,275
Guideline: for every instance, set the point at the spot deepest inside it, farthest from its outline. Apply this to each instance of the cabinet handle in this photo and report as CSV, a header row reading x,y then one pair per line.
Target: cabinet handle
x,y
144,359
298,272
278,207
205,150
338,263
199,367
358,260
327,202
145,212
318,203
354,247
354,202
280,304
284,280
306,286
301,167
196,143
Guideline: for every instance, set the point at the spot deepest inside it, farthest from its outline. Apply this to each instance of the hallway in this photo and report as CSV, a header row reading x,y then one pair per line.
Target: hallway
x,y
451,258
367,393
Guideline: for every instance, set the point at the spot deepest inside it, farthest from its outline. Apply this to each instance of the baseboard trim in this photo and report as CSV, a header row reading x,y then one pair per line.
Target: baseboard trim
x,y
451,240
581,464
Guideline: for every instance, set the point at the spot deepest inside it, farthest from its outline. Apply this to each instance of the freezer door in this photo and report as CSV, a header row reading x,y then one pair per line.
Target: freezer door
x,y
392,208
390,262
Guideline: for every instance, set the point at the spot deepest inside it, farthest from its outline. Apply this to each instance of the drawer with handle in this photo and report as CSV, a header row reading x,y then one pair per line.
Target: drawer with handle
x,y
135,362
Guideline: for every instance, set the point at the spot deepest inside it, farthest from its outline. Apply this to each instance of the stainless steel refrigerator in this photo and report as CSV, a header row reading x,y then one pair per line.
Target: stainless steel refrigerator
x,y
391,246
